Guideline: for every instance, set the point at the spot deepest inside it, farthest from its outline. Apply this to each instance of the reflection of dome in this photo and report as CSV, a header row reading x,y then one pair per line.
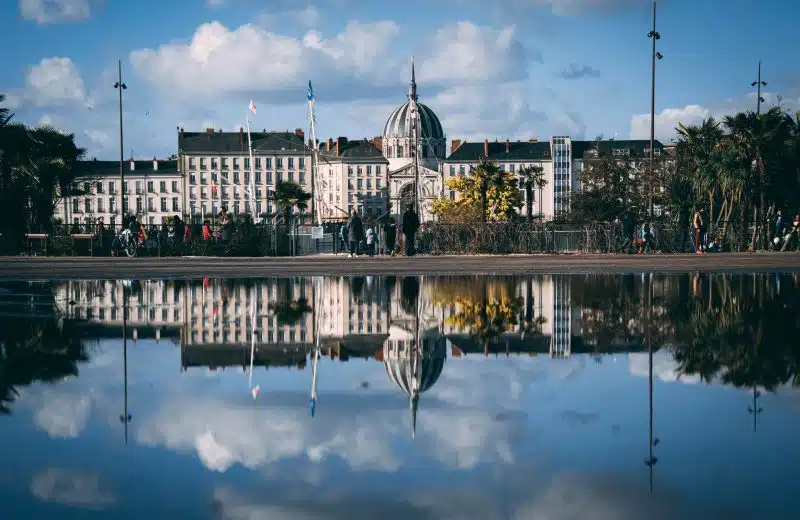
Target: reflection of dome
x,y
398,359
399,123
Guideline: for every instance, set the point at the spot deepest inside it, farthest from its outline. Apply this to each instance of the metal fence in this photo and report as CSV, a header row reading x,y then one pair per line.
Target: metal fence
x,y
271,239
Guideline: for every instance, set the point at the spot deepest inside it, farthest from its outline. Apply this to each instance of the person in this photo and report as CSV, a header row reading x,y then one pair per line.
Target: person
x,y
410,228
206,230
646,239
343,236
699,224
628,229
370,236
390,236
227,224
355,233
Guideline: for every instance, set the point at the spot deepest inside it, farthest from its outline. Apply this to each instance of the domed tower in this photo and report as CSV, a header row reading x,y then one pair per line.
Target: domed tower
x,y
397,133
414,370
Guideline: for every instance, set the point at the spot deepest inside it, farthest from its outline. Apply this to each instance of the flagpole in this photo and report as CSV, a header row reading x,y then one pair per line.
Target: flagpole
x,y
252,170
316,198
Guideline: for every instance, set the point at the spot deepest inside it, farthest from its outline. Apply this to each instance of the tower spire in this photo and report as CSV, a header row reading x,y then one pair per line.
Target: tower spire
x,y
412,86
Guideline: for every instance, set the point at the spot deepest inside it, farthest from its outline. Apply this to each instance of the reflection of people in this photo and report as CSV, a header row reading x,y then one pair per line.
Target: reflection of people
x,y
410,227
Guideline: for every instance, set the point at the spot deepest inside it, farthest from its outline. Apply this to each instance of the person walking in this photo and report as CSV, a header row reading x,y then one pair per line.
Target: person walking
x,y
699,224
355,233
390,235
410,228
370,236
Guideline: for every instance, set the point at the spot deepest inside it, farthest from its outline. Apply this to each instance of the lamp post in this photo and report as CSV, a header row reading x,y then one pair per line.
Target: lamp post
x,y
653,35
759,83
120,86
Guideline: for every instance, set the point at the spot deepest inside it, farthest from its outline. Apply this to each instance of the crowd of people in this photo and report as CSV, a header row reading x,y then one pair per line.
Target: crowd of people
x,y
381,238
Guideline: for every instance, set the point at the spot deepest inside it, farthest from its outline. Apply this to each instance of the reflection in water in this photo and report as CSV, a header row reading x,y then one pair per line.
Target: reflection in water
x,y
535,407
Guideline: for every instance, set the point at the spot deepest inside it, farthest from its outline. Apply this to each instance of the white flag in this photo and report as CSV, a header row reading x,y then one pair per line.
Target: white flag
x,y
252,107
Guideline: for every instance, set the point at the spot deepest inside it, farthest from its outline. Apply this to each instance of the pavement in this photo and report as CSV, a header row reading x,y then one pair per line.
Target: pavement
x,y
49,268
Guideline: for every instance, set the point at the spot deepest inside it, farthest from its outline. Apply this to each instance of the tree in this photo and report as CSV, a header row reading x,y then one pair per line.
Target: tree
x,y
490,190
610,185
290,196
532,179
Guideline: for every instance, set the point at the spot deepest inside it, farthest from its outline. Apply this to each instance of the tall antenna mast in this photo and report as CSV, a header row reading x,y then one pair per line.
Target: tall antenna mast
x,y
316,192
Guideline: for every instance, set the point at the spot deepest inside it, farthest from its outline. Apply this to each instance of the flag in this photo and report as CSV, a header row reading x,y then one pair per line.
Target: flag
x,y
310,91
252,107
213,184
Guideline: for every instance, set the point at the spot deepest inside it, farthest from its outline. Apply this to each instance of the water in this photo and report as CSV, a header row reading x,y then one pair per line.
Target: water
x,y
533,398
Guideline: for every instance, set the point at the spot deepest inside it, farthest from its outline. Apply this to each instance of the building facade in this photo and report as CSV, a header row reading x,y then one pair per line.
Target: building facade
x,y
353,175
562,160
153,191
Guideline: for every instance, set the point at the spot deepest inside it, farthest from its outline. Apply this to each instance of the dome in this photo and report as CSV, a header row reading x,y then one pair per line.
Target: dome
x,y
399,122
400,367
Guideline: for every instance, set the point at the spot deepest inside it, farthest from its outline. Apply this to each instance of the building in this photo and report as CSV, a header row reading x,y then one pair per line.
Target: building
x,y
352,175
215,167
561,158
153,191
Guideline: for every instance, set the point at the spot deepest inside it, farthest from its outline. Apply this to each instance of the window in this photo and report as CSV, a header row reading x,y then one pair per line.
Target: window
x,y
164,204
214,163
191,163
236,208
359,184
100,205
151,204
452,170
76,206
111,187
236,177
291,163
247,177
399,151
269,177
192,179
279,163
280,177
350,171
87,205
302,163
302,177
125,187
258,177
162,186
138,205
224,163
175,204
369,169
258,163
151,187
246,163
112,206
174,186
452,195
203,165
291,176
235,163
377,170
377,184
461,170
99,187
268,162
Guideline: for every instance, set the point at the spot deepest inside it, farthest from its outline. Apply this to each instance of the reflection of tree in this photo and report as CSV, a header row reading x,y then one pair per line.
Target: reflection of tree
x,y
739,328
486,308
35,350
290,312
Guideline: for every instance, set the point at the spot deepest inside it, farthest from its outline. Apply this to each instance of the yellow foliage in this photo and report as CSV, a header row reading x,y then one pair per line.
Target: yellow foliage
x,y
503,198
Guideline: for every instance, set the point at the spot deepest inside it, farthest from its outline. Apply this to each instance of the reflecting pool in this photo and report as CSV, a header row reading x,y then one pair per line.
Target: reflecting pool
x,y
544,397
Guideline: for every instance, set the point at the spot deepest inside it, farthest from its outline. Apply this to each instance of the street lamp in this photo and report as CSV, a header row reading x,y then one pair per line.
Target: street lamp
x,y
758,83
119,85
653,35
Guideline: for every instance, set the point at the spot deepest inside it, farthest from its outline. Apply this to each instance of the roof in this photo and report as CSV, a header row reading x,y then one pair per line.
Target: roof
x,y
398,123
354,151
540,150
264,143
95,168
517,151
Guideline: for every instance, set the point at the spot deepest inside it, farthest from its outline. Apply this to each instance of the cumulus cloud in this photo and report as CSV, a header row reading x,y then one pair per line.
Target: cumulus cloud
x,y
72,488
669,118
219,61
465,53
665,368
63,415
55,11
52,82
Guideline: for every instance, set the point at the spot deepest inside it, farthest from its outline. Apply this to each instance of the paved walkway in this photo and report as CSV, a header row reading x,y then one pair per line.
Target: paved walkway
x,y
195,267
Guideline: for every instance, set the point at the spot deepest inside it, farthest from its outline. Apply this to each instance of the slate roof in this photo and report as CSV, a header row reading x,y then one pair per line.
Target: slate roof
x,y
96,168
540,150
235,143
353,151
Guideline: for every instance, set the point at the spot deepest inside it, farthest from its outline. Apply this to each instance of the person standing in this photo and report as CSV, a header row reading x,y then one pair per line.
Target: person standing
x,y
390,232
355,233
370,235
699,224
410,228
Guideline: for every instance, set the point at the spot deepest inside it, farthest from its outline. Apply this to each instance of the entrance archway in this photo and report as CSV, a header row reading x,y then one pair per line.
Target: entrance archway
x,y
408,197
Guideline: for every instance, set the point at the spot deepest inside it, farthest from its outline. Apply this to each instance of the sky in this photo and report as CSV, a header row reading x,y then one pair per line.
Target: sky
x,y
515,69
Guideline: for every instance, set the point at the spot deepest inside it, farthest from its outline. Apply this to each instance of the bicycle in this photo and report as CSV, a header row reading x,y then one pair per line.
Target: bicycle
x,y
125,240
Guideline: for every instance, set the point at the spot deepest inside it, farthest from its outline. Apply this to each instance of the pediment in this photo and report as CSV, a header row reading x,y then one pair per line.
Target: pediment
x,y
408,171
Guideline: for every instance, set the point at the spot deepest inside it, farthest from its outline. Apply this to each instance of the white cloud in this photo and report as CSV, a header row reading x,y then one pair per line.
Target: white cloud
x,y
665,368
219,61
464,52
669,118
63,415
54,81
98,137
72,488
55,11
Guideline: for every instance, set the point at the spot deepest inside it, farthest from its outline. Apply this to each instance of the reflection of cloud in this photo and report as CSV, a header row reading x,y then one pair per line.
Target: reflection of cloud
x,y
72,488
565,497
665,368
63,415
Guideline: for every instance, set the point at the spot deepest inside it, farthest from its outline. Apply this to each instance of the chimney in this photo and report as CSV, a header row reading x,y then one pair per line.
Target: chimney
x,y
486,148
340,142
337,147
133,165
299,133
328,145
155,164
454,145
508,147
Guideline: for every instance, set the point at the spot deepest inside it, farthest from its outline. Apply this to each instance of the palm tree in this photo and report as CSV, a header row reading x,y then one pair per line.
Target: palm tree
x,y
532,179
290,196
489,175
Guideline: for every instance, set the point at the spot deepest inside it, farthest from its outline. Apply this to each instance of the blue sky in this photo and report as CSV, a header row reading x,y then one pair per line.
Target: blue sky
x,y
487,71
